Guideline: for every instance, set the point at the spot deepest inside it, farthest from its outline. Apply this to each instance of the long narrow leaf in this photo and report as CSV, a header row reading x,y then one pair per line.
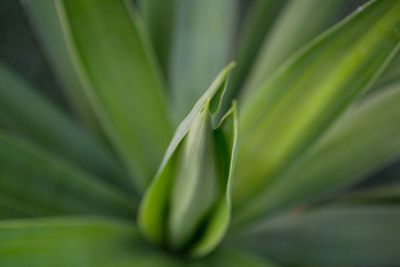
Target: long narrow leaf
x,y
201,46
354,236
37,183
122,82
75,241
362,142
47,25
159,19
298,24
288,112
257,24
26,113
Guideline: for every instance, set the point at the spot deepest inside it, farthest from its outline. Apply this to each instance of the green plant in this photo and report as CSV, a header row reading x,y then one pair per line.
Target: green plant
x,y
318,111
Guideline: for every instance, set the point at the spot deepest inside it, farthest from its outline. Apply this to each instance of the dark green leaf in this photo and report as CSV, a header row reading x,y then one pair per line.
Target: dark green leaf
x,y
122,82
78,242
47,25
37,183
354,236
159,19
26,113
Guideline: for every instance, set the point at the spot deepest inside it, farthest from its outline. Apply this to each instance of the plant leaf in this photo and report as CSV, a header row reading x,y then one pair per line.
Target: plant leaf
x,y
289,111
38,184
43,16
343,156
232,257
192,185
28,114
257,24
292,30
201,45
353,236
158,18
386,194
391,73
121,80
75,241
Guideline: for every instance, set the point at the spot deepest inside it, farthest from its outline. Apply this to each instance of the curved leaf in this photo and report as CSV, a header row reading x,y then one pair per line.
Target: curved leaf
x,y
363,141
111,52
298,24
289,111
354,236
36,183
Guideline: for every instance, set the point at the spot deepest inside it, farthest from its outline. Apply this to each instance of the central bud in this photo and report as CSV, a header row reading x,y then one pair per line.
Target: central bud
x,y
187,207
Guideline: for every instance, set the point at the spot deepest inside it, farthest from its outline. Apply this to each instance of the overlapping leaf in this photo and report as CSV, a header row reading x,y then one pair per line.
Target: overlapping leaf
x,y
26,113
363,141
192,188
289,111
121,80
353,236
35,183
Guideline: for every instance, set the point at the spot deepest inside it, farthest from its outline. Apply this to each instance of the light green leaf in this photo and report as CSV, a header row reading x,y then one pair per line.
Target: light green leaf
x,y
75,241
121,80
37,184
28,114
201,46
257,24
363,141
192,187
158,17
299,23
354,236
289,111
43,17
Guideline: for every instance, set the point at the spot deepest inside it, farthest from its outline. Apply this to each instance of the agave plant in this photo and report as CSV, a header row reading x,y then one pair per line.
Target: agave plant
x,y
263,165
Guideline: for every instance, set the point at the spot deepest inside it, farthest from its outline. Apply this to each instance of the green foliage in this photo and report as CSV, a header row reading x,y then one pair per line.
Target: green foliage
x,y
262,181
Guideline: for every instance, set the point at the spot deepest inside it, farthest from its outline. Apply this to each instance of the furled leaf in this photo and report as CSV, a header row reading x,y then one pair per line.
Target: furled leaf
x,y
362,141
298,24
75,241
47,25
258,22
158,17
201,46
353,236
26,113
282,118
37,183
122,82
191,190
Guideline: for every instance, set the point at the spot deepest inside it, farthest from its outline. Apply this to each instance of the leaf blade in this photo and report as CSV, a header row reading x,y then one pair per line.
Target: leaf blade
x,y
113,55
282,119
